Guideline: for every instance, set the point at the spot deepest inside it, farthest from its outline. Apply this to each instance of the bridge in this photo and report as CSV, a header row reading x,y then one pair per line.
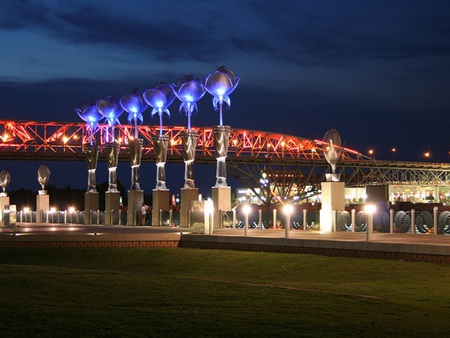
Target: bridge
x,y
285,161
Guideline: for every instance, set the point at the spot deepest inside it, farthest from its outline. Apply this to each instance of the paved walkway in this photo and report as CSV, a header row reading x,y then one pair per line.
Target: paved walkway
x,y
395,246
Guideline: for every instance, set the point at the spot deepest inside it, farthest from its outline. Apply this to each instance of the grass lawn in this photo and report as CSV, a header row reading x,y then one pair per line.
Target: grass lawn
x,y
196,293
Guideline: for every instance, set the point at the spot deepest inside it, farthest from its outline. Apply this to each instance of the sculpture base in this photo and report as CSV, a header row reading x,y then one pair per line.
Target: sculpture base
x,y
221,197
112,203
4,200
42,204
135,199
333,198
161,200
90,204
187,196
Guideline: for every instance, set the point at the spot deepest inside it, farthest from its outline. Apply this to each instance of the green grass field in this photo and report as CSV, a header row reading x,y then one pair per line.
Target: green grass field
x,y
197,293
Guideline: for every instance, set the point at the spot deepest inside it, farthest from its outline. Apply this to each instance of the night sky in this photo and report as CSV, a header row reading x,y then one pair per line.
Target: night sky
x,y
377,71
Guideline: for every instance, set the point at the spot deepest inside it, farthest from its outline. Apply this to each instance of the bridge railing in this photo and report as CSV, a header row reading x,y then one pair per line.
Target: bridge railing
x,y
70,137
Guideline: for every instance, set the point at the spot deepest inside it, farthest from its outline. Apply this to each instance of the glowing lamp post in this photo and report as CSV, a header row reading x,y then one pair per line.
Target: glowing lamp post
x,y
90,114
246,209
189,92
288,209
220,84
134,105
160,98
370,209
110,108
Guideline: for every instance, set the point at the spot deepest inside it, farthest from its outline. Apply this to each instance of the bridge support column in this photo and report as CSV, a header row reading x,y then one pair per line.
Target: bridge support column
x,y
90,204
333,199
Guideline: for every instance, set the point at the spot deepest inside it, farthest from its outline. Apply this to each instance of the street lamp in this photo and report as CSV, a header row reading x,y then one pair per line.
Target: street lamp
x,y
288,209
246,209
370,209
427,154
393,153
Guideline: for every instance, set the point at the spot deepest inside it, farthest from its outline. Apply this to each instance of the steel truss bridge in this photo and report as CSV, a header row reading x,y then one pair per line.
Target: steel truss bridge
x,y
280,165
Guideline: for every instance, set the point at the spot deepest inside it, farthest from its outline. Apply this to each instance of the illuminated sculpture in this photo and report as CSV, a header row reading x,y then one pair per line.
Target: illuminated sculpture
x,y
221,84
42,198
332,151
5,178
90,114
160,98
110,108
189,91
134,104
43,175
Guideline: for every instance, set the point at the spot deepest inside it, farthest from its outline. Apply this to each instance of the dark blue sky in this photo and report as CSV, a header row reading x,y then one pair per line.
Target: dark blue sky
x,y
378,71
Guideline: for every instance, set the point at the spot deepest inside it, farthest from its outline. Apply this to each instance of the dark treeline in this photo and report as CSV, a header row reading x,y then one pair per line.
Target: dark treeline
x,y
63,198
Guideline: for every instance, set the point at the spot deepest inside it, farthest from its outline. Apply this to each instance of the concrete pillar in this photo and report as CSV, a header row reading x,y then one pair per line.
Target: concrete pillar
x,y
4,200
135,199
90,204
161,200
187,196
221,197
333,198
42,204
112,203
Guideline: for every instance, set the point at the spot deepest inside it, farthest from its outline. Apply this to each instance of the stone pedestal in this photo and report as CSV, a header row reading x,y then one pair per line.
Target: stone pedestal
x,y
333,198
221,197
187,196
42,204
112,203
135,199
4,200
90,204
160,201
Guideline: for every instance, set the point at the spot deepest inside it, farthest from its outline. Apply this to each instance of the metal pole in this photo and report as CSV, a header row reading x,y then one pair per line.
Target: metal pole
x,y
234,219
160,217
170,217
304,219
413,221
274,219
391,221
435,220
260,218
353,220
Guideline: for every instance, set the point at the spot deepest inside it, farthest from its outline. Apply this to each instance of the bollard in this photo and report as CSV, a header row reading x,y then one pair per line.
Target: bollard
x,y
234,219
260,218
413,221
170,217
334,221
391,221
353,220
160,217
274,219
304,219
435,220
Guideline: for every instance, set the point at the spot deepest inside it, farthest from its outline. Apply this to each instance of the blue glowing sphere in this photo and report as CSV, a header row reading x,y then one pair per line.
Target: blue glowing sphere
x,y
160,98
89,114
134,104
189,93
110,108
221,84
